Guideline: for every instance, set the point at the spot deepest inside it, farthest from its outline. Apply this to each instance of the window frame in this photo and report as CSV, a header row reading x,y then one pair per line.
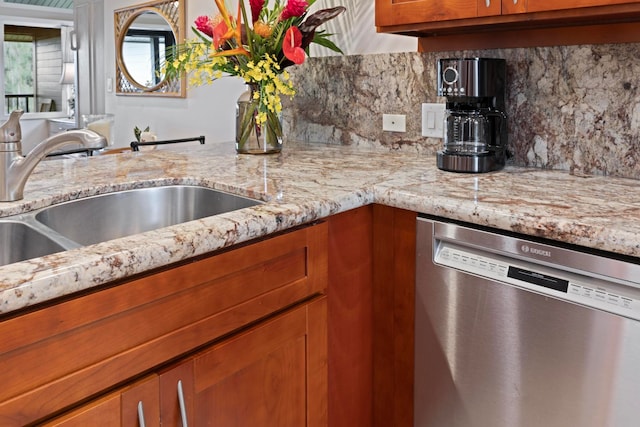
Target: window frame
x,y
31,16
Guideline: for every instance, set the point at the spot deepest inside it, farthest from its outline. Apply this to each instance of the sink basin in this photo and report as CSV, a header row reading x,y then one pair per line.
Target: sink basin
x,y
20,242
124,213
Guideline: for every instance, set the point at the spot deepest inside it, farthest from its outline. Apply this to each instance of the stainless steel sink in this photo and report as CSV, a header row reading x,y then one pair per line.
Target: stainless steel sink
x,y
124,213
20,242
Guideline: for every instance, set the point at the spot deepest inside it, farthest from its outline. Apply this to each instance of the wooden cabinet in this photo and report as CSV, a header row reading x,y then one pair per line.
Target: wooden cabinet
x,y
403,12
489,7
74,350
273,374
513,6
546,5
312,327
370,321
399,12
466,24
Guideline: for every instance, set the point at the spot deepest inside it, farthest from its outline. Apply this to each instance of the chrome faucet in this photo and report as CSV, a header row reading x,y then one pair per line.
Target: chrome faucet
x,y
15,168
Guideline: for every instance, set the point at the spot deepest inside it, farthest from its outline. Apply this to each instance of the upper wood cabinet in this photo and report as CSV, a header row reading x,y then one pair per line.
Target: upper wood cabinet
x,y
546,5
513,6
398,12
468,24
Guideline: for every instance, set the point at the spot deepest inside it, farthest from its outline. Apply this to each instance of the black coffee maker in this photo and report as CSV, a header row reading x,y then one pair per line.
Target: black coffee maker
x,y
475,123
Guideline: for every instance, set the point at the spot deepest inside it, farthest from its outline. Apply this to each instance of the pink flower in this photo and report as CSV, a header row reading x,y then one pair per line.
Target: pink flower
x,y
256,8
291,45
294,9
203,24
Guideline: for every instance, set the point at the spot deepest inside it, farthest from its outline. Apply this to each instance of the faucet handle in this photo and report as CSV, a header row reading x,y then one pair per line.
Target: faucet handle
x,y
10,131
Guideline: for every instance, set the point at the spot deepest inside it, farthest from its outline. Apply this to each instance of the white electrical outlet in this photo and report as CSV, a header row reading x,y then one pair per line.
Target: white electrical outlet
x,y
433,120
394,122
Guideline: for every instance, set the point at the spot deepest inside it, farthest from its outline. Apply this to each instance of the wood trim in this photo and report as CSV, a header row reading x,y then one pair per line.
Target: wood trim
x,y
393,304
616,23
317,364
350,319
566,36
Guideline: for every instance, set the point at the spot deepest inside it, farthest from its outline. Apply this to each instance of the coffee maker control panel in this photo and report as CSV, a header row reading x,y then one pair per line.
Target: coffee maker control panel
x,y
471,77
450,77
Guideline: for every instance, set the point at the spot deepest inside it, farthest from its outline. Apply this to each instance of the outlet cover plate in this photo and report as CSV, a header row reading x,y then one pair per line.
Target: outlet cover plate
x,y
394,122
433,120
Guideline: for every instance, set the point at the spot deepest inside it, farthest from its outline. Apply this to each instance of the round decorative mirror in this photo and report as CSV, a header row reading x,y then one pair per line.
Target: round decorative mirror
x,y
144,34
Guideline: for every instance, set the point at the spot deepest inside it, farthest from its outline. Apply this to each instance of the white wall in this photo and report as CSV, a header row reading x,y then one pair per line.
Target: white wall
x,y
210,110
355,33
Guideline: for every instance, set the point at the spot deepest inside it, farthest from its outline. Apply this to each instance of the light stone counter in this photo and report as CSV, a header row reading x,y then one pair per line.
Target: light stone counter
x,y
300,185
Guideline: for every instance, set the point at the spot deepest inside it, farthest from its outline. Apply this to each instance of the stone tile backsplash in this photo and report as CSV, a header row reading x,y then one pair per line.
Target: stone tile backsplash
x,y
573,108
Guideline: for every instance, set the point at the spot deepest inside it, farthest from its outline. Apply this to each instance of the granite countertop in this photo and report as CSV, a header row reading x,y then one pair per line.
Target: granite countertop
x,y
304,183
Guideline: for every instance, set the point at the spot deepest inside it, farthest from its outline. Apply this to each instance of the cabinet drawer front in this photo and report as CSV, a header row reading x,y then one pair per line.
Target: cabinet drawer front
x,y
545,5
64,353
400,12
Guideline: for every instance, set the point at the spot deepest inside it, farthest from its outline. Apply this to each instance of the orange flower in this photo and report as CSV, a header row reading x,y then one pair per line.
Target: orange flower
x,y
220,34
231,32
262,29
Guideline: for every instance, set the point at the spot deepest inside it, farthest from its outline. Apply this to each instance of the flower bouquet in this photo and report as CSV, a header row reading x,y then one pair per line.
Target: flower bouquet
x,y
257,48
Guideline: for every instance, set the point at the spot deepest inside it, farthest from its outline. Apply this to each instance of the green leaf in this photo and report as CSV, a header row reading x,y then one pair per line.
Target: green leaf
x,y
322,40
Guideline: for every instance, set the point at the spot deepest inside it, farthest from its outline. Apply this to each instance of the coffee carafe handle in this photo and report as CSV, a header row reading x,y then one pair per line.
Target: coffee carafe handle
x,y
492,112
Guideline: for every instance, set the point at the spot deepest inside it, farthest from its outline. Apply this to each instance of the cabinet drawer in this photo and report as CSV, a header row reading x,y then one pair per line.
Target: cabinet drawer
x,y
67,352
401,12
546,5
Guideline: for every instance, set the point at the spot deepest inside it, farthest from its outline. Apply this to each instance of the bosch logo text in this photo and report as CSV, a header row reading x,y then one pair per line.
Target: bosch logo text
x,y
535,251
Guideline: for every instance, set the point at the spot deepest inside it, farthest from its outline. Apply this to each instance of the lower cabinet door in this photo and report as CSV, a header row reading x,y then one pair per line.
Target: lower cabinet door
x,y
104,412
136,405
141,404
176,395
271,375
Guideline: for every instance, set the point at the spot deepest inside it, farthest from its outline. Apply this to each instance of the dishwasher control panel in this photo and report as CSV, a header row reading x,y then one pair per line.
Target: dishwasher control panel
x,y
568,286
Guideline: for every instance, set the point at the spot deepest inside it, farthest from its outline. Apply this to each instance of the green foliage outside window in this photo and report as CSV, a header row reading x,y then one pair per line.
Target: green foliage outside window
x,y
18,70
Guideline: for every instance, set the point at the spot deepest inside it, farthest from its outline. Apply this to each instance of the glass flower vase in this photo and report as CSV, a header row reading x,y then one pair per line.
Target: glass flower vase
x,y
253,137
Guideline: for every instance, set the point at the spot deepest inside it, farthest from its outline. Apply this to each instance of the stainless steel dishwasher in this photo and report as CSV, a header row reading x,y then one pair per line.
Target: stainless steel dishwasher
x,y
513,332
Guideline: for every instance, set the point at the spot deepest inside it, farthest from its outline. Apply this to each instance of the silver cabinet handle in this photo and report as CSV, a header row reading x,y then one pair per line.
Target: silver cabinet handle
x,y
141,415
183,407
488,3
515,1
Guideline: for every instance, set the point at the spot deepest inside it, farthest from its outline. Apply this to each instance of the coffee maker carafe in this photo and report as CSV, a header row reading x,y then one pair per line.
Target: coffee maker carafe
x,y
475,122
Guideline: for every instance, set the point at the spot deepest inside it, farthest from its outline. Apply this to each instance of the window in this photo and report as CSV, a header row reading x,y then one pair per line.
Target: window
x,y
18,72
32,69
32,36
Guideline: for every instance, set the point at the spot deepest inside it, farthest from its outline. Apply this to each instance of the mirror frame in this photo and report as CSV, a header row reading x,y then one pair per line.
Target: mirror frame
x,y
173,12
